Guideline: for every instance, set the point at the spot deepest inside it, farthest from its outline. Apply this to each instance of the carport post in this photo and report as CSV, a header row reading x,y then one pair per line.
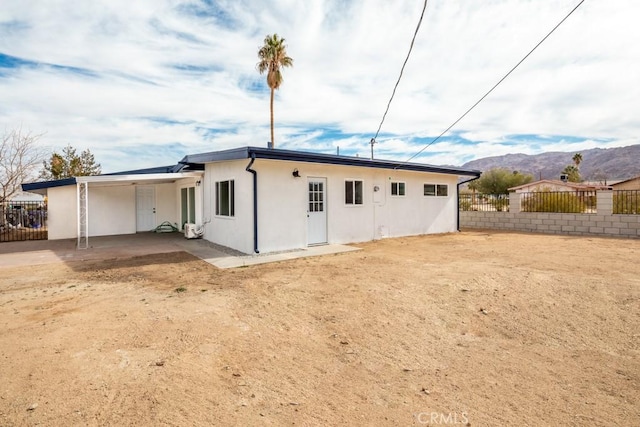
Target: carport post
x,y
83,215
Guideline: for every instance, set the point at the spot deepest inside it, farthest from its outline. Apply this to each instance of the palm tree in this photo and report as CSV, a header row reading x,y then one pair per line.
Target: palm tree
x,y
577,159
273,55
573,173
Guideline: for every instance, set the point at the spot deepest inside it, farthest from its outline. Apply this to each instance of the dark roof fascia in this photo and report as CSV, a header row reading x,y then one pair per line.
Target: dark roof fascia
x,y
158,169
217,156
300,156
180,167
191,167
149,171
32,186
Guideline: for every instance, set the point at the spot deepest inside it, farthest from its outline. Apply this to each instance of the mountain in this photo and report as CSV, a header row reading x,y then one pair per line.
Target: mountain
x,y
598,164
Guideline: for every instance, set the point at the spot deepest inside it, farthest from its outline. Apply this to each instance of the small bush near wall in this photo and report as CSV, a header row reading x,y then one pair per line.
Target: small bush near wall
x,y
557,201
500,202
464,203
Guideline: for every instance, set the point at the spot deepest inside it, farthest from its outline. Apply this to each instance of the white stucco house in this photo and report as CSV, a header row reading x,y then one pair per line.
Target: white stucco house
x,y
262,199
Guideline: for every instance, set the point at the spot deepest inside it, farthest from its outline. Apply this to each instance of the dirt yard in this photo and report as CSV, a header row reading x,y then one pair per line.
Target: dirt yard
x,y
476,328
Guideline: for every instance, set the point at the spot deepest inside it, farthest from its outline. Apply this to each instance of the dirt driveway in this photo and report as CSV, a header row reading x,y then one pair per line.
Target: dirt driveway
x,y
475,328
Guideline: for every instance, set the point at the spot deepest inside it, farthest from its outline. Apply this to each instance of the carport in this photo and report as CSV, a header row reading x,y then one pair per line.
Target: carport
x,y
125,203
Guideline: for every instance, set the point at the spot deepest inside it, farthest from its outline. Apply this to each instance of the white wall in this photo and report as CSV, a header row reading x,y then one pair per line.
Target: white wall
x,y
234,232
282,205
167,203
112,210
62,212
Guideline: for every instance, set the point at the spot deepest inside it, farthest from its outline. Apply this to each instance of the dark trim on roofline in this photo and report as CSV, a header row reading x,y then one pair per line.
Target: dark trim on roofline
x,y
300,156
180,167
32,186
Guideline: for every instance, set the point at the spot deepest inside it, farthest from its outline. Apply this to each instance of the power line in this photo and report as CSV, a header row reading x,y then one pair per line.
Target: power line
x,y
496,85
373,140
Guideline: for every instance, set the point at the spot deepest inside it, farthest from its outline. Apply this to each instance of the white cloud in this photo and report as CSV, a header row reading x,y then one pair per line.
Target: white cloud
x,y
193,65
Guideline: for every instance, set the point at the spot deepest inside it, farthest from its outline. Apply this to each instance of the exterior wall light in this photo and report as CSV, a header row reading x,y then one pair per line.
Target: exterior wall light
x,y
295,173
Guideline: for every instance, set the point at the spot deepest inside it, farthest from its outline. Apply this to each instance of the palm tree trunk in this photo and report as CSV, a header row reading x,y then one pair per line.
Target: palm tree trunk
x,y
272,139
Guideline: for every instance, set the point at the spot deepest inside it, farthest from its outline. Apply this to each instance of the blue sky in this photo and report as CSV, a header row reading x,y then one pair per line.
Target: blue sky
x,y
143,83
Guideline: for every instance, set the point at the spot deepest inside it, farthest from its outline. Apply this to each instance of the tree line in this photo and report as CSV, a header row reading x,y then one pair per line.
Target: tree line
x,y
499,180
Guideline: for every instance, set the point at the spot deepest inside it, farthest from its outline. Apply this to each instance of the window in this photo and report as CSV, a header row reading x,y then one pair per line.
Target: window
x,y
353,192
429,189
397,188
436,190
225,198
316,196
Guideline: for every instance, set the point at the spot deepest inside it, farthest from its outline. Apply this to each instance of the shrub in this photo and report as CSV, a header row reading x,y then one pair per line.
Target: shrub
x,y
500,203
558,201
626,202
464,203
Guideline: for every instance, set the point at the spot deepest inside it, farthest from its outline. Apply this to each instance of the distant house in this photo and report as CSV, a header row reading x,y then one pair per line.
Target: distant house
x,y
25,197
557,185
629,184
263,200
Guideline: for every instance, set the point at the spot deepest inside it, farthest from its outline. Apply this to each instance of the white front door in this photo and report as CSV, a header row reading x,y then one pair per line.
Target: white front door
x,y
145,208
317,211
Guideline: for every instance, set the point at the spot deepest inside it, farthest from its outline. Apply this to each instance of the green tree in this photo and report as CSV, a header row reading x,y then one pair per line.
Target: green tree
x,y
499,180
273,56
473,186
573,173
69,164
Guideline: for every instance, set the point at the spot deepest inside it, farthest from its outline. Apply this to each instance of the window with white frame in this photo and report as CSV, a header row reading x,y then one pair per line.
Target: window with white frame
x,y
353,192
225,198
398,188
441,190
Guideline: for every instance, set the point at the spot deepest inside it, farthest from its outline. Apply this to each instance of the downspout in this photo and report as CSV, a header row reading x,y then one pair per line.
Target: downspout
x,y
255,202
458,200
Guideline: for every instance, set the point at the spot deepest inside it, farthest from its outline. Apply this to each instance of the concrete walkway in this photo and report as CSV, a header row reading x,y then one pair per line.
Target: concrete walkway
x,y
245,260
125,246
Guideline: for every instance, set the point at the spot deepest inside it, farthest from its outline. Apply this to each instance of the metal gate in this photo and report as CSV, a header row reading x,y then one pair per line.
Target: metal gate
x,y
23,221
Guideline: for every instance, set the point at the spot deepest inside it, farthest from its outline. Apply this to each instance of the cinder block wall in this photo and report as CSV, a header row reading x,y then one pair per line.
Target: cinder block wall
x,y
603,223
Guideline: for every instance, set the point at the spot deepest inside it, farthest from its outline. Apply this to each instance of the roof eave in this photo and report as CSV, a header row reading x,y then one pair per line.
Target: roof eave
x,y
299,156
43,185
115,179
138,177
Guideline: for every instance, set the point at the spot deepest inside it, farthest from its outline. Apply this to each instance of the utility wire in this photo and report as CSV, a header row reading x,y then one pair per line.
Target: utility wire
x,y
496,85
373,140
